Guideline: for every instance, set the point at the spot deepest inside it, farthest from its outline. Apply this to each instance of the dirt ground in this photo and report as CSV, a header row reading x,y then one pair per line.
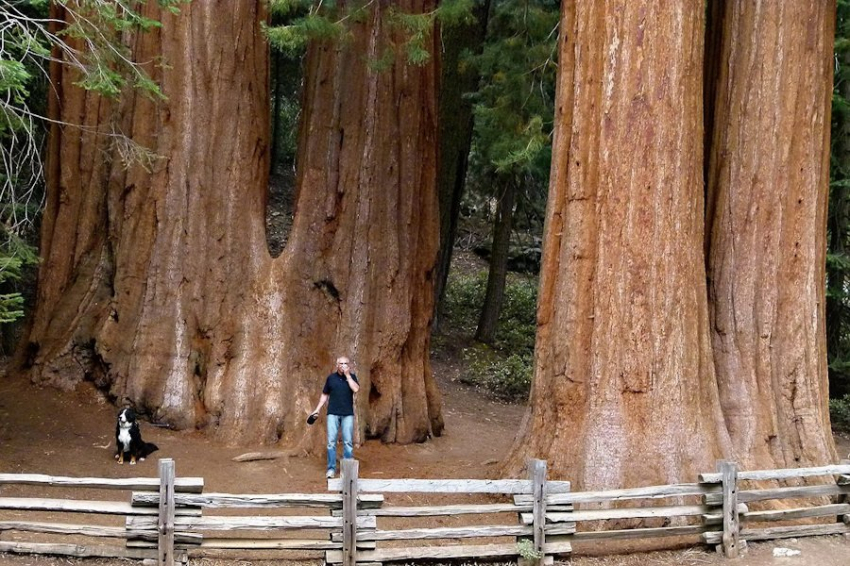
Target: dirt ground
x,y
49,432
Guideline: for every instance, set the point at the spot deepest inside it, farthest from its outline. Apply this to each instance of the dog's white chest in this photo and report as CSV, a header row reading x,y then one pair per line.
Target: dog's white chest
x,y
124,438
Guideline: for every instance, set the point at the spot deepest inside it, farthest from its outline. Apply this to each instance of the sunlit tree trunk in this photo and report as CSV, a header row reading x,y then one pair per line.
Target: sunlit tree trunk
x,y
624,391
767,188
158,285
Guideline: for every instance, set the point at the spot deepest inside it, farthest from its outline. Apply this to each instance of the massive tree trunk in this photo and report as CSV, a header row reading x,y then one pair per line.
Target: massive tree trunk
x,y
768,182
158,286
623,391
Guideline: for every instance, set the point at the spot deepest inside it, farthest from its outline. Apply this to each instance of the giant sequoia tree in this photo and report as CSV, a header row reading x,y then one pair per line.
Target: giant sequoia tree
x,y
623,364
157,284
768,179
623,344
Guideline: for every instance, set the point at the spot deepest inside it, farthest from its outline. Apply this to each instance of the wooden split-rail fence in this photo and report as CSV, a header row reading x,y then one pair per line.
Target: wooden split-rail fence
x,y
363,521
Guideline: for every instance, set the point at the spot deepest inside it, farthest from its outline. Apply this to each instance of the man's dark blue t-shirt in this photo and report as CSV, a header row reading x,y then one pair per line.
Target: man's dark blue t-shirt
x,y
341,397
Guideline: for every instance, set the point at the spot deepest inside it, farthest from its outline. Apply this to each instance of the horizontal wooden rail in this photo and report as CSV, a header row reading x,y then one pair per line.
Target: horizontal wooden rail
x,y
612,495
82,506
746,496
438,510
250,544
641,533
783,474
476,531
799,513
263,500
628,513
508,487
248,523
444,552
783,532
77,550
63,529
185,485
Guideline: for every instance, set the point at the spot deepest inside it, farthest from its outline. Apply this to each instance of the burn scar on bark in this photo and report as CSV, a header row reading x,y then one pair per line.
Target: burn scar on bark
x,y
328,287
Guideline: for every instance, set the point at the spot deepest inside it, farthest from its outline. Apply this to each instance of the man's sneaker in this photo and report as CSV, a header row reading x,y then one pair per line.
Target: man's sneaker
x,y
330,474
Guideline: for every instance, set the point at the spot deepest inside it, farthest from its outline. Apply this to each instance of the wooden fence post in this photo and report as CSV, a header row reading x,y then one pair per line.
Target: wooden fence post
x,y
350,468
731,521
537,475
845,480
165,539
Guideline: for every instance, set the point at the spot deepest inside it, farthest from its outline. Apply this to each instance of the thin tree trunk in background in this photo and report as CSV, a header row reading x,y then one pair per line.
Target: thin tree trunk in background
x,y
623,391
277,93
498,272
158,286
768,185
714,26
456,125
838,228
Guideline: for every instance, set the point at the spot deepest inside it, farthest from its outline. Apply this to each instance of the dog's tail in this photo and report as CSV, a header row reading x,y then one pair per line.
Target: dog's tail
x,y
149,448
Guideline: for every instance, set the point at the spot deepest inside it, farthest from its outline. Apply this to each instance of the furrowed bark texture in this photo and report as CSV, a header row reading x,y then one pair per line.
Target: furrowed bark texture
x,y
367,217
159,287
624,391
768,189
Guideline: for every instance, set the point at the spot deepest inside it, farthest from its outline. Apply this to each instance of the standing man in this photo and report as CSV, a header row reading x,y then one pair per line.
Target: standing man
x,y
340,387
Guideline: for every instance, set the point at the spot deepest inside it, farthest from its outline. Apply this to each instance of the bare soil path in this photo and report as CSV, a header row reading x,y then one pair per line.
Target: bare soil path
x,y
72,434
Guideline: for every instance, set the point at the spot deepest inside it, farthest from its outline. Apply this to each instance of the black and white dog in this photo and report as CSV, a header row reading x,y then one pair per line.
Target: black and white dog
x,y
128,439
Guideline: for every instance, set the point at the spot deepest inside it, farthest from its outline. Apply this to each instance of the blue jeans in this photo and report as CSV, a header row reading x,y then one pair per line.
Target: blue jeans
x,y
347,425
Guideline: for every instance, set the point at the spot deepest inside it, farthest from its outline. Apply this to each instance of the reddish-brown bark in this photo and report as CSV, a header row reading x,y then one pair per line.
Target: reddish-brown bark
x,y
767,193
624,390
158,285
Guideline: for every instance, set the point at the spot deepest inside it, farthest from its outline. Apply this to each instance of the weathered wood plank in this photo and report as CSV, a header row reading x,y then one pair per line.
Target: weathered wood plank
x,y
249,523
254,544
165,528
783,532
264,500
716,515
350,470
509,487
438,552
537,477
799,513
437,510
78,550
639,533
731,521
782,493
651,492
476,531
153,537
81,506
782,474
186,485
624,513
63,529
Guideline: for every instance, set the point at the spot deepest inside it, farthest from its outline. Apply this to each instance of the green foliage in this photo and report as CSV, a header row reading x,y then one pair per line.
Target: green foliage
x,y
839,413
514,108
297,22
514,115
91,43
525,548
506,368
